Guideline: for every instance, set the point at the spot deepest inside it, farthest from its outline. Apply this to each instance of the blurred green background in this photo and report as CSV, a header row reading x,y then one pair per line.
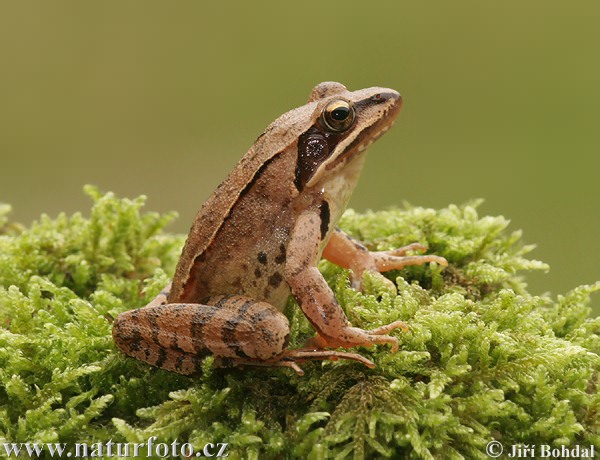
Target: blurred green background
x,y
502,101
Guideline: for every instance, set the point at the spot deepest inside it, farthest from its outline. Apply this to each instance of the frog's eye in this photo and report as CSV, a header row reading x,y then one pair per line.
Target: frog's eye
x,y
338,115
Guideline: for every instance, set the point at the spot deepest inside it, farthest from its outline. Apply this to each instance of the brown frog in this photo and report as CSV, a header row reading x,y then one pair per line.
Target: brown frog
x,y
258,239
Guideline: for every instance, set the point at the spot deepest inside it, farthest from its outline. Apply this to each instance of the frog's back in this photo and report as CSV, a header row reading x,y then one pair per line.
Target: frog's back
x,y
220,221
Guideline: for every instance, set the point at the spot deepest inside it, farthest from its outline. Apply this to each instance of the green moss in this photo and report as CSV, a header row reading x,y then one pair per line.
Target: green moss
x,y
483,358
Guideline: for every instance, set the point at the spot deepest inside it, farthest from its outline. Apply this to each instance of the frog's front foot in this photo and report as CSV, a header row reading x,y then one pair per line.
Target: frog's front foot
x,y
347,252
356,337
395,259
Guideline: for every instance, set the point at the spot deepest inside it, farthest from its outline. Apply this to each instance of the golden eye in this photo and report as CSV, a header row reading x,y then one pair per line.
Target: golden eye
x,y
338,115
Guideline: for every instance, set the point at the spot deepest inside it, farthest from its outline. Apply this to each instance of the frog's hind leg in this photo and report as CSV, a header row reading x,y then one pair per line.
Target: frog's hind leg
x,y
236,330
176,336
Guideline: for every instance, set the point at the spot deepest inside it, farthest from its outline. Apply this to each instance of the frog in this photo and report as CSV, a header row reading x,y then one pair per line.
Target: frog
x,y
257,241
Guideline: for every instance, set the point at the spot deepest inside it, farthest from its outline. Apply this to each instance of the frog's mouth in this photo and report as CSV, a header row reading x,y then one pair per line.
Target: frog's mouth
x,y
392,103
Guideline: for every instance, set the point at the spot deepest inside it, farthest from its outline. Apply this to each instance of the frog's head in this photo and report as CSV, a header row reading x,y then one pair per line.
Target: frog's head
x,y
343,125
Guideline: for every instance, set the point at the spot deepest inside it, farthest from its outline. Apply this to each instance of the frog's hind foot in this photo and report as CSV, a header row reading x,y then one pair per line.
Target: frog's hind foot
x,y
304,354
291,358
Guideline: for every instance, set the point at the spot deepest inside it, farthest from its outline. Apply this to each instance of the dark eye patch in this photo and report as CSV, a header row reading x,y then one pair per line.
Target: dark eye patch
x,y
314,147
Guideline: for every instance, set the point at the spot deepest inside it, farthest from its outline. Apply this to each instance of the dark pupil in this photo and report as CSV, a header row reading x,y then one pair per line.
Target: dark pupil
x,y
340,114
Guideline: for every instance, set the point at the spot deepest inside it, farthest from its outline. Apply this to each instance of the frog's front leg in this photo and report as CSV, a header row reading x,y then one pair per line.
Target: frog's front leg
x,y
315,297
237,330
345,251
